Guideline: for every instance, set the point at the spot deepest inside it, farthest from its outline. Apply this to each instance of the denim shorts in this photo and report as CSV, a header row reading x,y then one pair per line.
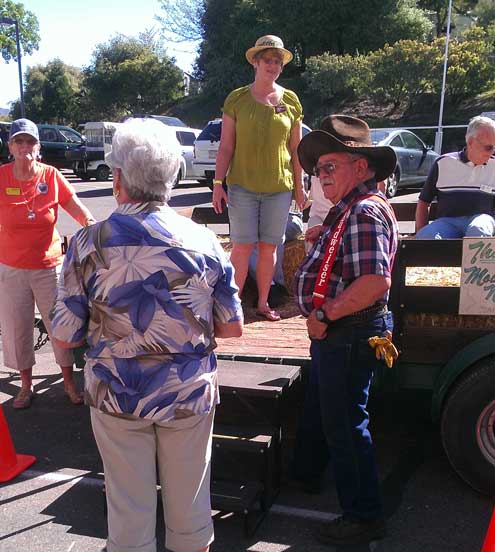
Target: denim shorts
x,y
257,217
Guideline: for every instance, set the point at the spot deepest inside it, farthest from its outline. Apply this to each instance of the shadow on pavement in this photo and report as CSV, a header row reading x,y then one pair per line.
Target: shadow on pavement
x,y
187,200
100,192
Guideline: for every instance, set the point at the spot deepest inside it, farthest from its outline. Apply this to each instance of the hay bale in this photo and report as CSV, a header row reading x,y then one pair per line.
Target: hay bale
x,y
294,253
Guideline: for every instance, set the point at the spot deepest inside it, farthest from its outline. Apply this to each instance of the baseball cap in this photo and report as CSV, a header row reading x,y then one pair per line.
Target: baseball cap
x,y
23,126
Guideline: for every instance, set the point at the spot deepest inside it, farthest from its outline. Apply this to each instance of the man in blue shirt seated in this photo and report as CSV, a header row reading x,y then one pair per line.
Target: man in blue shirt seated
x,y
463,183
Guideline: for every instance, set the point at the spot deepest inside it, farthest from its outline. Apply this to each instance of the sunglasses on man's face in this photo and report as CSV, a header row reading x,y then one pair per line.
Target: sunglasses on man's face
x,y
329,168
29,141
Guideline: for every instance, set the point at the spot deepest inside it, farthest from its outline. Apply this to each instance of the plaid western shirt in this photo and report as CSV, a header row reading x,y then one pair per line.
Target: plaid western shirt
x,y
368,246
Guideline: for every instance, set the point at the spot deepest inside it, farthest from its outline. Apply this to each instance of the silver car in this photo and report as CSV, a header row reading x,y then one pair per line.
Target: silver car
x,y
414,158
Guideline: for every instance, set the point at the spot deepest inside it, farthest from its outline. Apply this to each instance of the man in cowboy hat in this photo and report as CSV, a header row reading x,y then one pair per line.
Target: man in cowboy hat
x,y
342,288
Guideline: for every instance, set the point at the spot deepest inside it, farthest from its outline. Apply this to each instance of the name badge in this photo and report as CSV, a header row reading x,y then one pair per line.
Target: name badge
x,y
13,191
487,189
280,108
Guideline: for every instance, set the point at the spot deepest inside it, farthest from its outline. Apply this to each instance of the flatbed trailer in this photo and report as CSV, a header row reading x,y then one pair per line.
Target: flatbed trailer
x,y
451,356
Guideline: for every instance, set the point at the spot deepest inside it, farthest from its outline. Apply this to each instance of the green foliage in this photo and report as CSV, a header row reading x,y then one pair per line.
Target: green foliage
x,y
28,30
50,93
127,75
401,72
470,67
439,11
309,28
484,13
230,27
330,75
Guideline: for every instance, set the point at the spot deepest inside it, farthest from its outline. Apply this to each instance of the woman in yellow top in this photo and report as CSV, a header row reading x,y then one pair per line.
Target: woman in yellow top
x,y
261,128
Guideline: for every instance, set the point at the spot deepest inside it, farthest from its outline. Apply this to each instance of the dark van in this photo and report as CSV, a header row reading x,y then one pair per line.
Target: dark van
x,y
55,141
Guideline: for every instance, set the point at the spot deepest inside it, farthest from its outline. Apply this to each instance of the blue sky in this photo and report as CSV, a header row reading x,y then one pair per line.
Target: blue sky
x,y
70,30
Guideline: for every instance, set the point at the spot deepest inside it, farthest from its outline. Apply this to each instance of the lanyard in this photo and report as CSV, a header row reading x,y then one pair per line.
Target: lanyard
x,y
321,285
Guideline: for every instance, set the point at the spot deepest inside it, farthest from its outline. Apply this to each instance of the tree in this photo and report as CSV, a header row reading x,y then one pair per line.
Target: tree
x,y
330,75
439,10
346,27
28,30
128,75
470,67
229,28
181,19
51,92
307,28
484,13
402,72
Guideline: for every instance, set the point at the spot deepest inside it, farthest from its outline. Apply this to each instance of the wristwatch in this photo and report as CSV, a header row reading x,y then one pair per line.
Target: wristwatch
x,y
321,316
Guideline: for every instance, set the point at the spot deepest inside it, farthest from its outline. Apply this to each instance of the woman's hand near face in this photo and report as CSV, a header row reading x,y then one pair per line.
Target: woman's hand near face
x,y
219,197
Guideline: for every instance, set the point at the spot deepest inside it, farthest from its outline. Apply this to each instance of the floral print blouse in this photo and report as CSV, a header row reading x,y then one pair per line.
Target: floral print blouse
x,y
145,287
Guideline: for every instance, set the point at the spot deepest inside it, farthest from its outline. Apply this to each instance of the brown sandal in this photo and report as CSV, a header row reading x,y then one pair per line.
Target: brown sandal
x,y
23,399
269,314
74,396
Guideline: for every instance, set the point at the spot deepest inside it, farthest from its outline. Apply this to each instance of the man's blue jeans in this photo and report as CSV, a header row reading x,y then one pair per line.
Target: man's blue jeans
x,y
344,365
458,227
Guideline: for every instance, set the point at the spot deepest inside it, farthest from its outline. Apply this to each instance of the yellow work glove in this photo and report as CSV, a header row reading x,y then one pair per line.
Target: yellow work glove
x,y
384,348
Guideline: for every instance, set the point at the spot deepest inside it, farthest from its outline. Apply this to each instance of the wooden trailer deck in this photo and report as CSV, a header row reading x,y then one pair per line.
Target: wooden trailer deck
x,y
284,342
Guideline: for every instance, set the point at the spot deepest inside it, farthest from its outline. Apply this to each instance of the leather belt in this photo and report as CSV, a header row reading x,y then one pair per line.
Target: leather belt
x,y
358,317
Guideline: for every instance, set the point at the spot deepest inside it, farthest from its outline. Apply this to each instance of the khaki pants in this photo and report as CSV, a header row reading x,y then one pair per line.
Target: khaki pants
x,y
19,289
129,449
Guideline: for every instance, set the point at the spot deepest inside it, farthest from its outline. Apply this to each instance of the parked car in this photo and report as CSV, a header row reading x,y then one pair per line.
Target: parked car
x,y
206,149
414,158
55,141
165,119
88,160
186,137
4,139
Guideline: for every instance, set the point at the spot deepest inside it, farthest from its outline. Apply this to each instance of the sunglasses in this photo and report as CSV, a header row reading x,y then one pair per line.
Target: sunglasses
x,y
329,168
29,141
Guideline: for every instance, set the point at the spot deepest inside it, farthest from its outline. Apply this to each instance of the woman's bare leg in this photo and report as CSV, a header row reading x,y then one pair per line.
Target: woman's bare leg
x,y
240,260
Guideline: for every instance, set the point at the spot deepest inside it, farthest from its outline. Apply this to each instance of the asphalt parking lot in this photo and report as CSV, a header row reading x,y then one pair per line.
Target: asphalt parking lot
x,y
57,504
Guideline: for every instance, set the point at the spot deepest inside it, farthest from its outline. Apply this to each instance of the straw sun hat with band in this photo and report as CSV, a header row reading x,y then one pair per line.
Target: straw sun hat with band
x,y
267,42
342,133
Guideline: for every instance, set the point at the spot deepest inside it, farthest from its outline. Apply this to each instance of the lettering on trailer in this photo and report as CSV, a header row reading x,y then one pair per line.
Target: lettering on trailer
x,y
478,276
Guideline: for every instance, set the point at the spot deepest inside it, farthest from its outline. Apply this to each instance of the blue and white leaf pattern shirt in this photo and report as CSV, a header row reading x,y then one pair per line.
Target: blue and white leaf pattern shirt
x,y
145,288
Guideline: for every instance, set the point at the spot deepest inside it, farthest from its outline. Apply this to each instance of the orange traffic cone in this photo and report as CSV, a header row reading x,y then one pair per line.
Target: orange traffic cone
x,y
11,464
489,544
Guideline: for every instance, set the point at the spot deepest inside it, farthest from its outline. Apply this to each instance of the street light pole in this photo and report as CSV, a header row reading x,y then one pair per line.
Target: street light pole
x,y
439,133
10,21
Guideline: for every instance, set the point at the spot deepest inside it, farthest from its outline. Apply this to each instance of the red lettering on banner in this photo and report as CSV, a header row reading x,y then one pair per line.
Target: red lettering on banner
x,y
319,292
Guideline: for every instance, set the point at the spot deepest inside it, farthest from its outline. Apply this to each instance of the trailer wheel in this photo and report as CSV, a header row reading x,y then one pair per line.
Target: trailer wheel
x,y
468,424
102,172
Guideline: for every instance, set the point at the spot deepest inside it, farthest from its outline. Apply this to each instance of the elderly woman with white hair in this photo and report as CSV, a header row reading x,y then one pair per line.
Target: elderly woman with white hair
x,y
149,290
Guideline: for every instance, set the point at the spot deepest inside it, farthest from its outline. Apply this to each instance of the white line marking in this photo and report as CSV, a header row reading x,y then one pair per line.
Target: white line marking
x,y
91,481
302,513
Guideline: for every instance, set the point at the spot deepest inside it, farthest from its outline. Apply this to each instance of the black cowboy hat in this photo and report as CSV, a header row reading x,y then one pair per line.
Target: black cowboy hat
x,y
342,133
